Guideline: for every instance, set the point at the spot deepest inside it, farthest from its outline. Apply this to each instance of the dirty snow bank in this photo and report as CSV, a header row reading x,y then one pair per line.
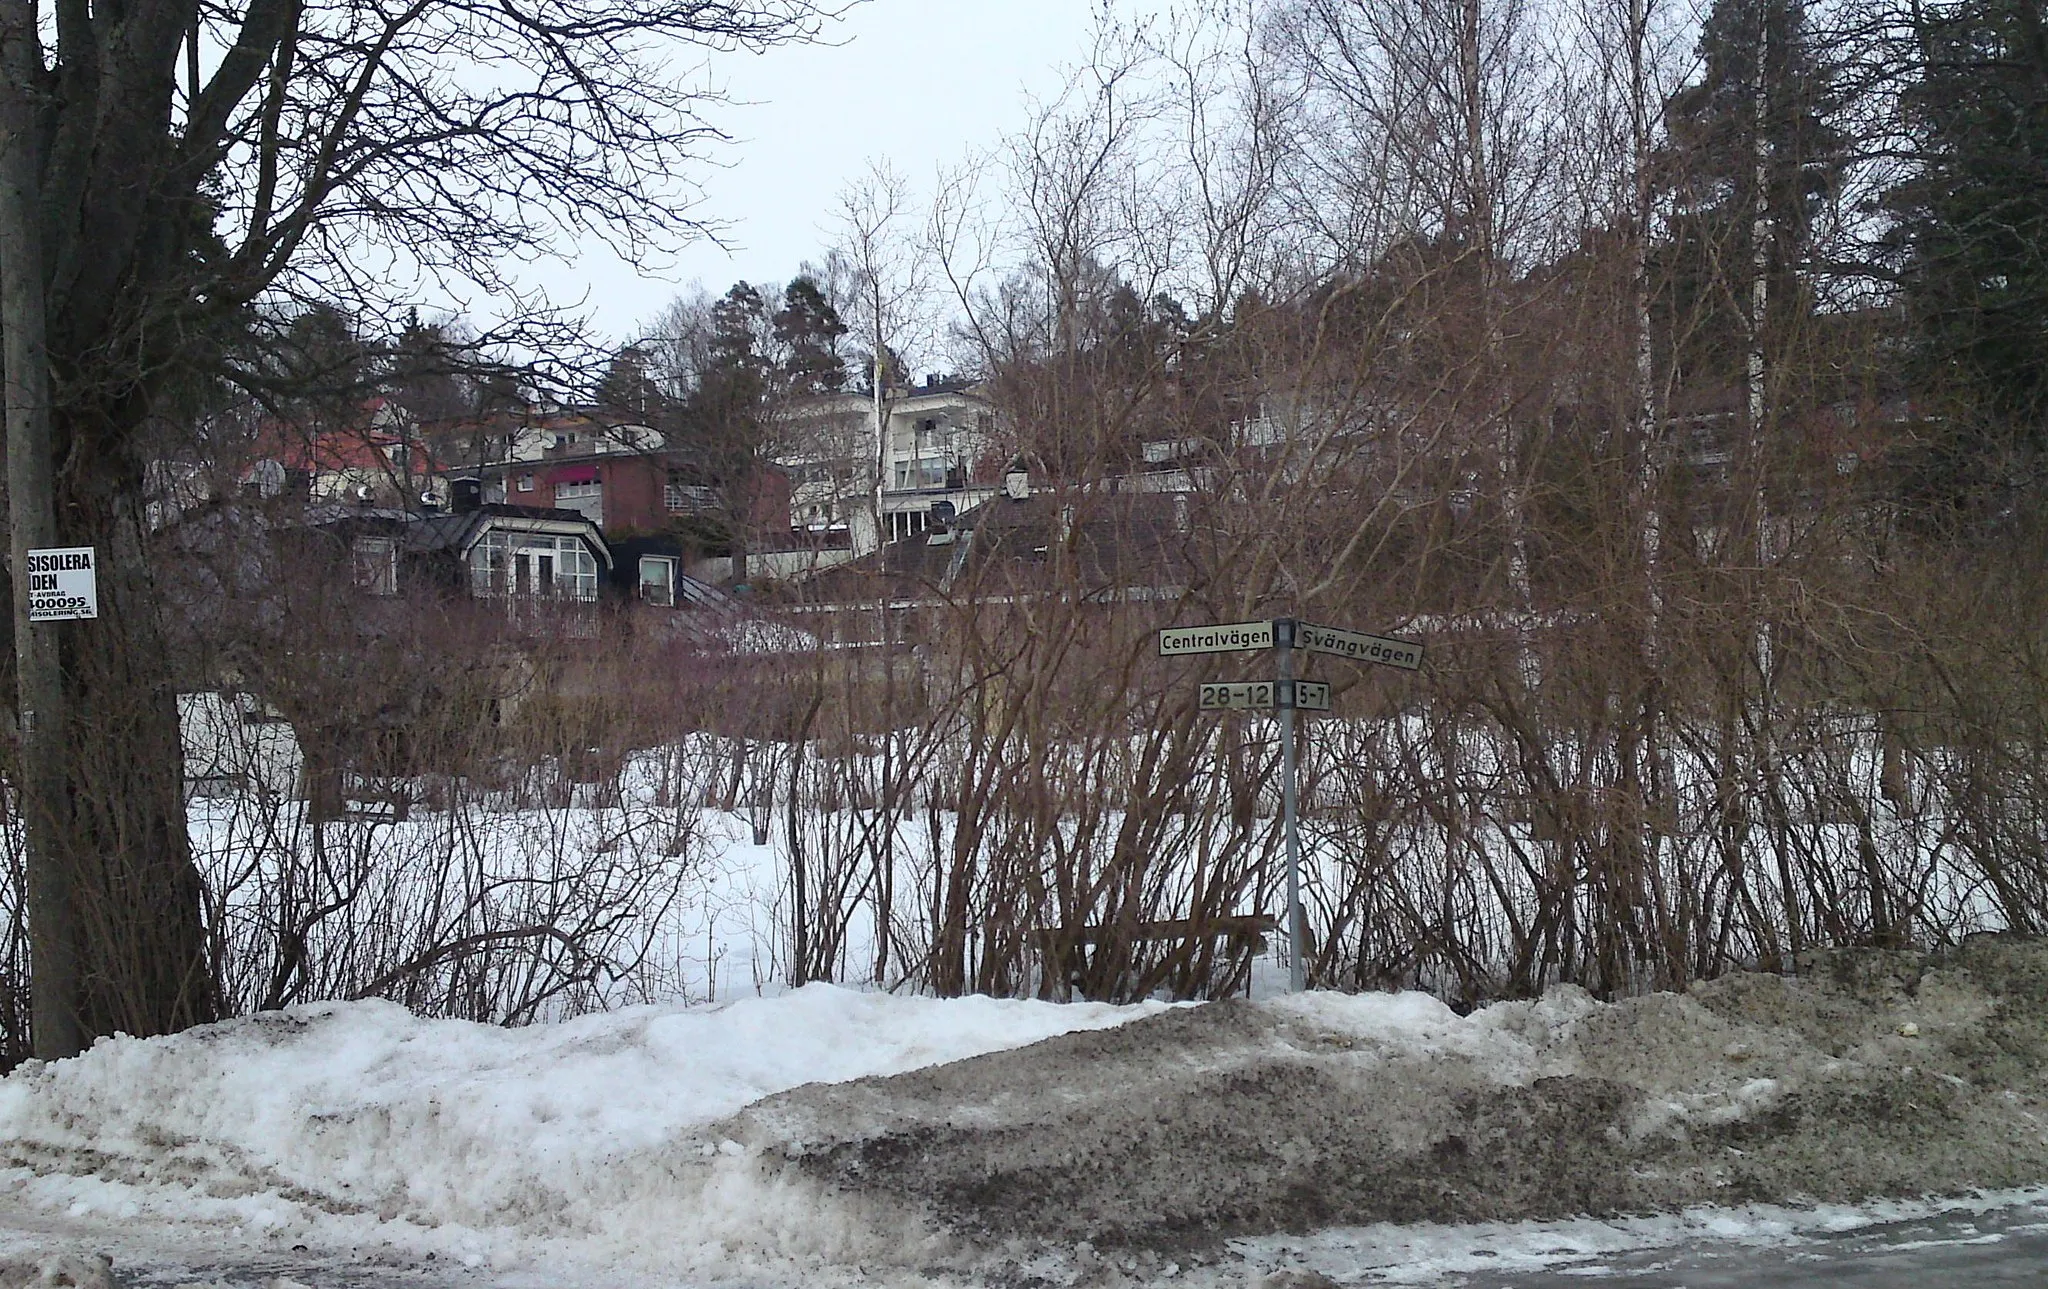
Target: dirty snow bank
x,y
1871,1074
829,1137
336,1118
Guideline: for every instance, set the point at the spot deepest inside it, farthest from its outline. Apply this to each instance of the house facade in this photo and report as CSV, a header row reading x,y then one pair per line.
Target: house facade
x,y
939,457
488,551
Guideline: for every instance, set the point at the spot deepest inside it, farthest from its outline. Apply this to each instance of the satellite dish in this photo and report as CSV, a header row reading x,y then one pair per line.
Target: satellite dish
x,y
268,478
363,492
433,499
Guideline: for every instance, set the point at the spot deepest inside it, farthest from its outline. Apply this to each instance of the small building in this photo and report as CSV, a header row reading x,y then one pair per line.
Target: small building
x,y
1100,545
486,550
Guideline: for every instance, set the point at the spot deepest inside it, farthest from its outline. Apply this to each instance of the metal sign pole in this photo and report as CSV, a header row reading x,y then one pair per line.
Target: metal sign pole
x,y
1297,966
1284,635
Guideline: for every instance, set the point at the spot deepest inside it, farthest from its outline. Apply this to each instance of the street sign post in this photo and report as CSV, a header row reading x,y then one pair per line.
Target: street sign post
x,y
1287,695
63,584
1297,922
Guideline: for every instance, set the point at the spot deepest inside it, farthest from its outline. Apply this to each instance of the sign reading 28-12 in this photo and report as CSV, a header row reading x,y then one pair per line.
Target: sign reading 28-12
x,y
63,584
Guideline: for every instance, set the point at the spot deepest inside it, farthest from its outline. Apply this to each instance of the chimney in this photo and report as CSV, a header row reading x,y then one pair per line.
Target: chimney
x,y
465,495
1017,482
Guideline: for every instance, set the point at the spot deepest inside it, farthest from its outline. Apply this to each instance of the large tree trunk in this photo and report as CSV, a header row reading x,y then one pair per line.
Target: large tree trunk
x,y
143,952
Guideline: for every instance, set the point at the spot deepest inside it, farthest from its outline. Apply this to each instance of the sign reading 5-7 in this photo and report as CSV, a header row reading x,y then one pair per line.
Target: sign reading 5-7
x,y
63,584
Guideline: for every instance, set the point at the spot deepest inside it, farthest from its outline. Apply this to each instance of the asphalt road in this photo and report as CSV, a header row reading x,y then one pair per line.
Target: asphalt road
x,y
2006,1247
1964,1250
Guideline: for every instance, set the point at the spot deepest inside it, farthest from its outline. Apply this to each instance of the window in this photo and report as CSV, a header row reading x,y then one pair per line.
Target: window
x,y
680,496
658,580
929,472
375,562
585,496
526,483
532,564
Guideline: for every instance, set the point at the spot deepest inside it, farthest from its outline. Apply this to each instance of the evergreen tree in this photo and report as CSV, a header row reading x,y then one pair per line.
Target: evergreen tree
x,y
323,371
808,330
726,404
425,372
629,391
1974,240
725,416
1719,128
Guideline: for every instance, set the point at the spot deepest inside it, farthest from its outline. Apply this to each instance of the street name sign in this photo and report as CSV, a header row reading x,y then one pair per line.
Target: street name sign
x,y
1224,637
1233,695
1386,650
63,584
1289,695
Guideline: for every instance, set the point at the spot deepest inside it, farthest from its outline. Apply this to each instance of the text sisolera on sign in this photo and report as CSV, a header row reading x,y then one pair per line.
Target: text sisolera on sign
x,y
62,584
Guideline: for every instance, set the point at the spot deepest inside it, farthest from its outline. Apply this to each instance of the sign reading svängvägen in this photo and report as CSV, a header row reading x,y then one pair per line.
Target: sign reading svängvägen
x,y
63,584
1356,644
1224,637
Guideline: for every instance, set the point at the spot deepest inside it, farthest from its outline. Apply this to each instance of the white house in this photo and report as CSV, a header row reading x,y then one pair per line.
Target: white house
x,y
939,456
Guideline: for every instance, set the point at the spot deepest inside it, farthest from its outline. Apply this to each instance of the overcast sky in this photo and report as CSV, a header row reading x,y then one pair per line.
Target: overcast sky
x,y
919,82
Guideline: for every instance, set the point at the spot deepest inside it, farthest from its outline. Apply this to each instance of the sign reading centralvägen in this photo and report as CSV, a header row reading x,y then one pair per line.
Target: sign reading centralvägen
x,y
63,584
1224,637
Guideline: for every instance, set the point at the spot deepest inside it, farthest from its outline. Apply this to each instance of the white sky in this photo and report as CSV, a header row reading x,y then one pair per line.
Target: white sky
x,y
918,82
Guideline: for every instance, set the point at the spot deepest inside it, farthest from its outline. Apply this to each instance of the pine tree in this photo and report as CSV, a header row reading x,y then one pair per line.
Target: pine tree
x,y
629,391
726,405
1974,241
726,414
426,372
808,329
1720,129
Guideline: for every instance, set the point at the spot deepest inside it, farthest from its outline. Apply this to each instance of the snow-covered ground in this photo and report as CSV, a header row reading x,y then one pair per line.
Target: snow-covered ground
x,y
828,1136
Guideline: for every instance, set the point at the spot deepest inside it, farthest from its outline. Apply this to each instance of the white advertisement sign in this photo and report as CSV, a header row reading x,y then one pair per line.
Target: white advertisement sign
x,y
63,584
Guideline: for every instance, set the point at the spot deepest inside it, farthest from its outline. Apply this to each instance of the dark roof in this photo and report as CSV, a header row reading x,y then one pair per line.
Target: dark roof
x,y
439,532
1092,541
446,530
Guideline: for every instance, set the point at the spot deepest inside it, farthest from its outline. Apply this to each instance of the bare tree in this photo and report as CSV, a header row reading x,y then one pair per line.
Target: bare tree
x,y
307,147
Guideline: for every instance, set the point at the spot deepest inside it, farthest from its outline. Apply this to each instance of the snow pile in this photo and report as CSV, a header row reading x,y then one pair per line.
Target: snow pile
x,y
826,1136
1876,1075
592,1128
